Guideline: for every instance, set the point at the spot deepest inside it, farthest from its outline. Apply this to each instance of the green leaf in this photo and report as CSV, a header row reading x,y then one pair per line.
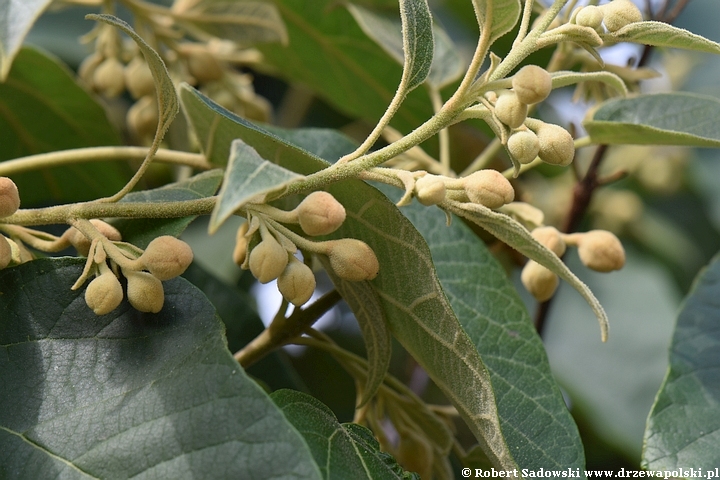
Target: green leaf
x,y
342,450
661,119
248,177
418,42
505,14
683,429
415,306
141,231
565,78
42,109
661,34
129,394
18,17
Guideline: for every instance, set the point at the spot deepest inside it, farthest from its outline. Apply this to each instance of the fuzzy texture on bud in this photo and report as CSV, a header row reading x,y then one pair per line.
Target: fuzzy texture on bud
x,y
524,146
590,16
203,65
86,70
620,13
81,242
551,238
510,110
297,282
104,293
320,214
488,187
430,190
241,245
9,197
167,257
557,146
138,78
352,259
5,252
144,291
142,117
532,84
268,260
109,77
601,251
539,281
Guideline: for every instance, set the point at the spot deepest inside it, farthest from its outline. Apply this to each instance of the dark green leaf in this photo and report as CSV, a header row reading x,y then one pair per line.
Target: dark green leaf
x,y
418,42
661,34
661,119
683,429
505,14
129,394
18,16
42,109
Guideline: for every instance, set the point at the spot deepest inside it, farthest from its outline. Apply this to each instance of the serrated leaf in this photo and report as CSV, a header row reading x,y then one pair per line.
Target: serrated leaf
x,y
129,394
42,109
661,34
415,306
16,19
505,14
248,177
141,231
683,429
661,119
565,78
342,450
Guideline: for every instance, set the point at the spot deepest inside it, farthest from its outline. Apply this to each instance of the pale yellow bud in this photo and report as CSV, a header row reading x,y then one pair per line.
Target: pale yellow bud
x,y
268,259
488,187
532,84
296,283
524,146
590,16
320,214
82,243
203,65
142,117
138,78
167,257
87,68
601,251
430,190
5,252
104,293
510,110
352,259
551,238
9,197
241,245
557,146
144,291
108,77
620,13
539,281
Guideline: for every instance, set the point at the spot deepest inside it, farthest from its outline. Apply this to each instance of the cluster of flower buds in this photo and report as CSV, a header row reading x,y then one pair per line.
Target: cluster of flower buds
x,y
272,255
9,204
614,15
599,250
486,187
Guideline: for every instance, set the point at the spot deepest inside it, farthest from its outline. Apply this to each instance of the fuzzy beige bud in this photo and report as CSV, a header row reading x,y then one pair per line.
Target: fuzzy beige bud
x,y
109,77
138,78
524,146
557,146
5,252
86,70
488,187
268,259
82,243
297,282
320,214
590,16
601,251
352,259
203,65
532,84
167,257
241,245
539,281
551,238
142,117
104,293
430,190
9,197
145,292
620,13
510,110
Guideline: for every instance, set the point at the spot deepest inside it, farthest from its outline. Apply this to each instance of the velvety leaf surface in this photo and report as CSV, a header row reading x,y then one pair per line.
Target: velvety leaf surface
x,y
42,109
661,119
129,394
418,43
16,19
343,451
661,34
504,16
683,429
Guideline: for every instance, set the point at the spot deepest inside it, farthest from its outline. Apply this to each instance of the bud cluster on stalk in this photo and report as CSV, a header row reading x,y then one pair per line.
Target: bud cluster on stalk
x,y
485,187
10,251
612,16
268,250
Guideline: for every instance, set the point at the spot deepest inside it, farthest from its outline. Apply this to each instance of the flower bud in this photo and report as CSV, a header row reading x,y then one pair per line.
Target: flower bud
x,y
241,245
430,190
108,77
138,78
9,197
620,13
510,110
590,16
142,117
488,187
531,84
297,282
539,281
104,293
144,291
5,252
601,251
557,146
86,70
524,146
81,242
320,214
551,238
268,259
352,259
203,65
167,257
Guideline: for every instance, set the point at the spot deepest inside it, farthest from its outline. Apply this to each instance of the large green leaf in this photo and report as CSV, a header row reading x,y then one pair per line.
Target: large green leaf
x,y
42,109
683,429
129,394
343,451
661,119
661,34
16,19
417,311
